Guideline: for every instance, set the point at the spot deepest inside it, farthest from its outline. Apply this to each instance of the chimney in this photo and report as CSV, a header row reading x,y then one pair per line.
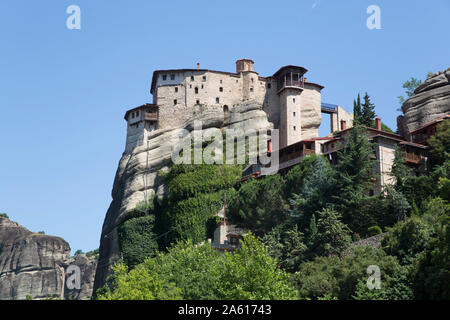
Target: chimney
x,y
343,124
378,123
198,66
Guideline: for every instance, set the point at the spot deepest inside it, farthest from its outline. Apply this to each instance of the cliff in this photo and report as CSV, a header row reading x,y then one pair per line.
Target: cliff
x,y
34,265
430,101
133,180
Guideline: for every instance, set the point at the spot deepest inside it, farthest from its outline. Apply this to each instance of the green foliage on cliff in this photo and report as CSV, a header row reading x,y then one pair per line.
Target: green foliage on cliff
x,y
195,194
137,239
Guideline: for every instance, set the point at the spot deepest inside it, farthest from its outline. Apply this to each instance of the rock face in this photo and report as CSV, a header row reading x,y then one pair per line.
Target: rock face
x,y
430,101
134,182
88,266
34,265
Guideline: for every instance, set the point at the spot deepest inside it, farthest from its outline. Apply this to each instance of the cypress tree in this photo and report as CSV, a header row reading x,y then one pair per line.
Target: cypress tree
x,y
367,112
357,113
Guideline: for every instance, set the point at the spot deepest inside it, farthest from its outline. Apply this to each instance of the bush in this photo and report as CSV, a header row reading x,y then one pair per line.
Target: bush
x,y
375,230
259,205
340,278
4,215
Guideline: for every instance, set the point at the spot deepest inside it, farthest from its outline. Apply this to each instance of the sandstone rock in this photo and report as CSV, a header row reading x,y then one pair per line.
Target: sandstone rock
x,y
430,101
134,180
34,265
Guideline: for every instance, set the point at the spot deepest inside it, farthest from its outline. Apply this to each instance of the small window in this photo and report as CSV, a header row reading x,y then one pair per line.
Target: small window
x,y
132,115
164,77
217,100
237,81
175,102
293,100
221,89
251,89
204,78
197,102
196,90
295,128
269,85
252,80
294,114
172,77
176,89
192,78
137,114
190,86
202,86
220,81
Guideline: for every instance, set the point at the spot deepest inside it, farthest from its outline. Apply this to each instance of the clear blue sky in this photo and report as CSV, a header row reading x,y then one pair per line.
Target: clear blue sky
x,y
63,93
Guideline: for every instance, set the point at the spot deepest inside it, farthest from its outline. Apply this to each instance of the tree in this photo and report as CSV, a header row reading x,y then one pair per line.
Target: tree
x,y
285,244
400,171
259,205
352,174
407,239
432,274
367,112
333,236
316,192
251,274
357,111
409,86
296,177
341,277
79,251
440,144
138,284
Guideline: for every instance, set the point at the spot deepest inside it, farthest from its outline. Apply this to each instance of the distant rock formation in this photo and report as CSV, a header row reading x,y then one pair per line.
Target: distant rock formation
x,y
34,265
132,182
430,101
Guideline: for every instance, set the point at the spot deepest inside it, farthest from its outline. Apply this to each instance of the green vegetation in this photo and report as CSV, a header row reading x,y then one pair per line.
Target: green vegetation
x,y
4,215
189,271
302,226
440,144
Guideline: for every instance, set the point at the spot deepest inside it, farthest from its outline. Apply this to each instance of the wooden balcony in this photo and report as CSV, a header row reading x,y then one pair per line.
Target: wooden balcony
x,y
288,83
413,158
151,116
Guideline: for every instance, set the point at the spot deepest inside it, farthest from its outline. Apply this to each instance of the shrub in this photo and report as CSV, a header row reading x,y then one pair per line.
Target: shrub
x,y
375,230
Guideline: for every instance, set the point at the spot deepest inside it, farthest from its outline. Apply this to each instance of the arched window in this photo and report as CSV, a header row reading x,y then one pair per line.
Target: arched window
x,y
196,90
225,110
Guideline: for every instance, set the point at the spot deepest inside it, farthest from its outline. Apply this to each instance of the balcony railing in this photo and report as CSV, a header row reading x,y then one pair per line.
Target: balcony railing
x,y
291,84
412,157
151,116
